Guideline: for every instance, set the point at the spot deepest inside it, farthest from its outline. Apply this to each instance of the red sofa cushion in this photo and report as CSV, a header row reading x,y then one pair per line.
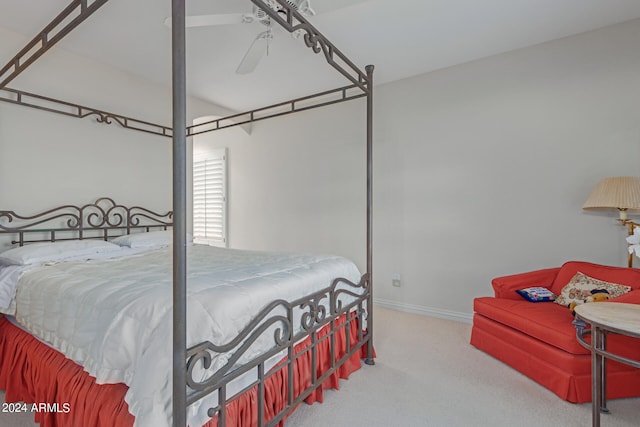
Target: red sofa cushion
x,y
619,275
546,321
550,323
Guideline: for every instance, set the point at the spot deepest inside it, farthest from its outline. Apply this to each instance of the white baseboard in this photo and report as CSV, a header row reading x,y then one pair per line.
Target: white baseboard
x,y
425,311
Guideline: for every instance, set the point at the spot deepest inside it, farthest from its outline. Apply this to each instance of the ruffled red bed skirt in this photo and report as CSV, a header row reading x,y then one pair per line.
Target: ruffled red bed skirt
x,y
60,393
243,411
34,373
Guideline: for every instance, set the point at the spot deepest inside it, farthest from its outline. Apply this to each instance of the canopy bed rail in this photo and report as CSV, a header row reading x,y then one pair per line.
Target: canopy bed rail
x,y
315,40
63,24
44,103
53,105
100,220
297,105
294,23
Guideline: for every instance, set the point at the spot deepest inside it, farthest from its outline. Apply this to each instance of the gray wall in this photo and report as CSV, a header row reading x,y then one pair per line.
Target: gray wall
x,y
480,170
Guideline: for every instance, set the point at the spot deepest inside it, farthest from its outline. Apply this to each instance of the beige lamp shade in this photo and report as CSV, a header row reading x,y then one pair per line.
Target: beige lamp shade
x,y
622,193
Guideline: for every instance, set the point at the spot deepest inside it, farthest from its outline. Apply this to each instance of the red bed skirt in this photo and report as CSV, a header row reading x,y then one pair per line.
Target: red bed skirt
x,y
65,395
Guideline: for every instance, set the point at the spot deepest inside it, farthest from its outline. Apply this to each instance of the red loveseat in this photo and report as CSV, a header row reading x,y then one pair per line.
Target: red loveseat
x,y
538,339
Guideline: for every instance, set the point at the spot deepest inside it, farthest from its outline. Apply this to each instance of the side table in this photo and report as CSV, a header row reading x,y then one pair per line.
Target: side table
x,y
604,318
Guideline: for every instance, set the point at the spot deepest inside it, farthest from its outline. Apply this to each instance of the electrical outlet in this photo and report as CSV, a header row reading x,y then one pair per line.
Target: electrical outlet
x,y
395,280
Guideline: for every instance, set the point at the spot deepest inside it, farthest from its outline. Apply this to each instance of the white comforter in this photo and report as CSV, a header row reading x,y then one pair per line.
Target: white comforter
x,y
114,317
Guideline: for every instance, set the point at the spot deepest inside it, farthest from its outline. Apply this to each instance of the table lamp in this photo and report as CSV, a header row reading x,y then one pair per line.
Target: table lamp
x,y
621,193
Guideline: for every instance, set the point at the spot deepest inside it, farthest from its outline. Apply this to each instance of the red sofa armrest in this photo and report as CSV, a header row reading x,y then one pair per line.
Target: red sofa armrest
x,y
632,297
506,286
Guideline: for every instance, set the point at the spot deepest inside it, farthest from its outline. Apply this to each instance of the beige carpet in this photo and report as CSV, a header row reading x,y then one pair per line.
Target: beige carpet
x,y
427,374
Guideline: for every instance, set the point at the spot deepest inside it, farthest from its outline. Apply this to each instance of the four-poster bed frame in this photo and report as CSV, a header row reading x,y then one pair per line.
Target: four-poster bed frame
x,y
319,314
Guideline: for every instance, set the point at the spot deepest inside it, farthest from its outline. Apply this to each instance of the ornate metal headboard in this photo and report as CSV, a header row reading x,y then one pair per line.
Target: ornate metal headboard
x,y
100,220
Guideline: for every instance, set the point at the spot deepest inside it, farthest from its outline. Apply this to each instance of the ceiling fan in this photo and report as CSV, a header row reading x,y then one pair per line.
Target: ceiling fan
x,y
260,45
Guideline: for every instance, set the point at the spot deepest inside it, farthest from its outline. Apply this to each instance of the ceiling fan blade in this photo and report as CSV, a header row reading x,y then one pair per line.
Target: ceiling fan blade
x,y
207,20
256,52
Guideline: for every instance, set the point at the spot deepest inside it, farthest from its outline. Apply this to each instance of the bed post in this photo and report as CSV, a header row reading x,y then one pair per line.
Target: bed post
x,y
369,69
178,55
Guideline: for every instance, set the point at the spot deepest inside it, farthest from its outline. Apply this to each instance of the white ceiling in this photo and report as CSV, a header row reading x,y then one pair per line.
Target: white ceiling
x,y
401,38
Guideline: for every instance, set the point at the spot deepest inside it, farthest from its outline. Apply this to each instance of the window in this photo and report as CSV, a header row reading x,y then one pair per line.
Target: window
x,y
210,197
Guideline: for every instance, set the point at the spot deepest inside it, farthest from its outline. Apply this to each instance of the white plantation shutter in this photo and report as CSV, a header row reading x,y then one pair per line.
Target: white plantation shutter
x,y
210,198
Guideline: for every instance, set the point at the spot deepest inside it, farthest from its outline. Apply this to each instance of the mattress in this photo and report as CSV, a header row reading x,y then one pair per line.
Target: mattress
x,y
114,316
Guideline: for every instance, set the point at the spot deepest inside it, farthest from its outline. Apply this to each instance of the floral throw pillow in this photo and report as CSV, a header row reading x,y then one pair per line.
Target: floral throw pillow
x,y
580,286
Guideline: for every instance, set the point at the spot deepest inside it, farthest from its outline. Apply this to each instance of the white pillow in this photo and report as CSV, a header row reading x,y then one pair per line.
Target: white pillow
x,y
145,240
40,253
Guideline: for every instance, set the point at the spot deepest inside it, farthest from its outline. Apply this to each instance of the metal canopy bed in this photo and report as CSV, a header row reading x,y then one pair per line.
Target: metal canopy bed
x,y
323,317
